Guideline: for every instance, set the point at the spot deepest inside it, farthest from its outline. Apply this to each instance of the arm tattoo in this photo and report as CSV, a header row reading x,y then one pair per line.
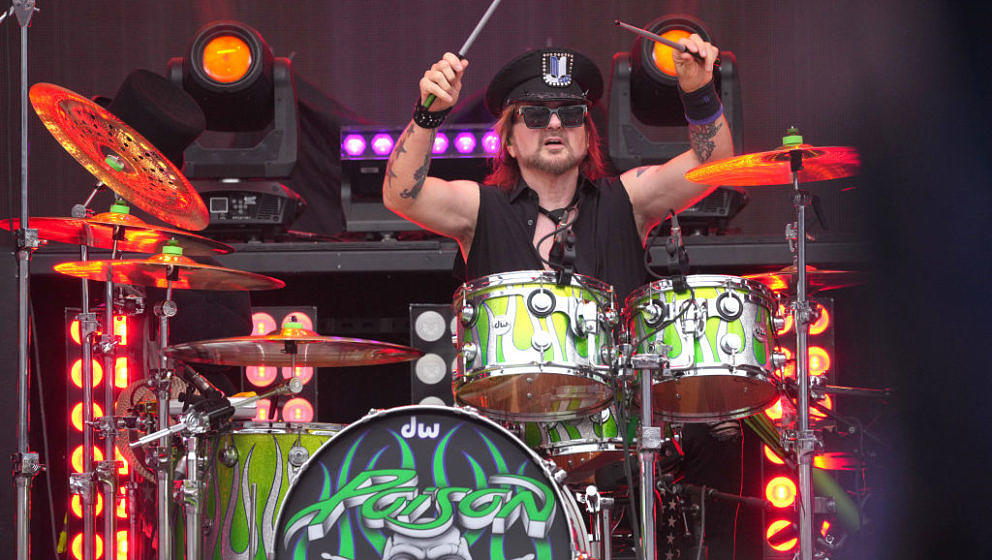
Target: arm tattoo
x,y
701,139
641,170
400,149
420,175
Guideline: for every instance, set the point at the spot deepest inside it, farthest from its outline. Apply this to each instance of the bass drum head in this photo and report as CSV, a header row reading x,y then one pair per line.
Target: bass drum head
x,y
427,482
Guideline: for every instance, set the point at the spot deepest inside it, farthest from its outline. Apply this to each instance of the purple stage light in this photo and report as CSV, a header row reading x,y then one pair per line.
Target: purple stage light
x,y
382,144
465,143
354,144
441,144
490,142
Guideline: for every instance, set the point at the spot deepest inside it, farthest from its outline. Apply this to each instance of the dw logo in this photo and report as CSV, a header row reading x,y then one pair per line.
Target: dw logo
x,y
414,428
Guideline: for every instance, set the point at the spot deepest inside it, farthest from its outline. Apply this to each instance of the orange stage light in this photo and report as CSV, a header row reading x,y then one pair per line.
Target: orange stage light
x,y
779,529
297,410
124,469
786,314
121,509
122,545
226,59
304,373
263,410
819,360
120,329
263,323
662,54
827,403
781,491
824,528
261,376
77,457
77,415
76,505
771,456
789,369
822,322
77,546
76,373
775,411
120,373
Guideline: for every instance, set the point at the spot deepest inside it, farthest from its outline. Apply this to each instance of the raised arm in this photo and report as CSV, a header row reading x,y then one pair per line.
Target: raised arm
x,y
448,208
655,189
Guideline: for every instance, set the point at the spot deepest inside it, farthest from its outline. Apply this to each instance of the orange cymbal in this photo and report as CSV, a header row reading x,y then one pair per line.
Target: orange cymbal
x,y
119,156
158,270
774,167
135,235
293,346
816,279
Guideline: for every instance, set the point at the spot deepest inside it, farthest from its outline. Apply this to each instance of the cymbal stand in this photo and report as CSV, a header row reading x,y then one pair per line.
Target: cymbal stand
x,y
599,506
806,439
161,381
26,464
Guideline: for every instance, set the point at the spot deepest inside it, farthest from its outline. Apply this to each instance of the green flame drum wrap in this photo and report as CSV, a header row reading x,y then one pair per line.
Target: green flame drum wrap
x,y
428,482
720,351
241,499
529,349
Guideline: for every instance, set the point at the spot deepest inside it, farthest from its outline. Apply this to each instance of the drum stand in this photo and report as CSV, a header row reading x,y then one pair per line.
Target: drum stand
x,y
599,506
25,463
161,381
806,440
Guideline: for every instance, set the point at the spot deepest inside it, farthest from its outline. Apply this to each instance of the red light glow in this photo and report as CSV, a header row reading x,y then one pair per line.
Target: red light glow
x,y
298,317
120,373
263,323
781,491
824,528
120,329
124,469
786,314
261,376
822,322
775,411
789,369
776,531
819,360
122,545
121,509
263,410
77,415
771,456
304,373
76,373
77,458
827,403
77,546
297,410
76,505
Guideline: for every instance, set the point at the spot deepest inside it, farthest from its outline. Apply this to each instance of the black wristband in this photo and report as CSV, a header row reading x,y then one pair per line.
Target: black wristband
x,y
702,106
428,119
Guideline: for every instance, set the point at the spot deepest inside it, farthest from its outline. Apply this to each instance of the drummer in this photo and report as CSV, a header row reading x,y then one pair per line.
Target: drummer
x,y
551,169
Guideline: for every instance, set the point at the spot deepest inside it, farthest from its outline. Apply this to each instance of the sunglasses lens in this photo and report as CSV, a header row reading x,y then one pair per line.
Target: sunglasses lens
x,y
536,117
572,115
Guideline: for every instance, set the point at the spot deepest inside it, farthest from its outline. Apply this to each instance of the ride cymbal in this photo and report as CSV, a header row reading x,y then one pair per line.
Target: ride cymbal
x,y
817,280
134,235
820,163
161,269
293,346
120,157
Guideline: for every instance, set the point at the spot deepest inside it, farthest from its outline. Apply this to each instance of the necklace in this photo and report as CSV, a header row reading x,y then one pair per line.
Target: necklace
x,y
558,214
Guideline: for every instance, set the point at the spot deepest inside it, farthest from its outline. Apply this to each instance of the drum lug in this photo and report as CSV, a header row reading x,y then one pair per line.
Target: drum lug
x,y
298,455
779,359
469,351
541,302
541,341
654,314
730,306
587,318
229,456
778,323
731,344
467,315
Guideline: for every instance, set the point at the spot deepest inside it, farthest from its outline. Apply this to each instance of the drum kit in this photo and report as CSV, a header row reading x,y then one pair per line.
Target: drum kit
x,y
553,381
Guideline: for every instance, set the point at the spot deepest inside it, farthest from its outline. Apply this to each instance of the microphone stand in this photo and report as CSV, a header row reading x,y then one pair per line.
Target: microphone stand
x,y
26,463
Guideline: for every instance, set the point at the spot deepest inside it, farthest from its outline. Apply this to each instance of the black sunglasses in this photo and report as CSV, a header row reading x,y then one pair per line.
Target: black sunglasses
x,y
538,116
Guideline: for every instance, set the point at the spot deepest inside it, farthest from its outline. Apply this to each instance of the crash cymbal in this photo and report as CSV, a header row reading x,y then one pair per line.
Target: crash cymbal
x,y
157,270
293,346
820,163
817,280
119,156
135,236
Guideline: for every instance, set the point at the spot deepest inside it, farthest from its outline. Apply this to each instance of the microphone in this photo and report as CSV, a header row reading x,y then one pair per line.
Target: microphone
x,y
678,259
206,388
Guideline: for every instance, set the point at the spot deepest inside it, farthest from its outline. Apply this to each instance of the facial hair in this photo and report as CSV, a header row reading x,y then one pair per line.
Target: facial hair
x,y
557,165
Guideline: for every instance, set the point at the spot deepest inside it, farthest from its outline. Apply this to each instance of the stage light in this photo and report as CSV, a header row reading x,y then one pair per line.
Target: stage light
x,y
263,411
782,535
354,144
465,143
122,541
819,360
77,415
297,410
77,373
125,468
120,372
822,322
302,317
789,368
76,505
121,510
441,144
77,546
827,403
382,144
781,491
490,142
775,411
305,374
261,376
824,528
120,329
786,314
226,59
772,457
263,323
77,457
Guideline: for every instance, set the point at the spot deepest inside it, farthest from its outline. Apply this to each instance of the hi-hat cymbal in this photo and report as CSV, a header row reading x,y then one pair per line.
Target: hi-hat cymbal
x,y
817,280
293,346
135,236
820,163
119,156
157,270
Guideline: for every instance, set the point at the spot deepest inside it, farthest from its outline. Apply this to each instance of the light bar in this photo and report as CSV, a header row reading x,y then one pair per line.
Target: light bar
x,y
455,141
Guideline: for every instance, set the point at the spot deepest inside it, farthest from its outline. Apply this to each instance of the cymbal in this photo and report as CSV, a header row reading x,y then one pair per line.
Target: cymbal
x,y
136,235
119,156
820,163
293,346
185,273
817,280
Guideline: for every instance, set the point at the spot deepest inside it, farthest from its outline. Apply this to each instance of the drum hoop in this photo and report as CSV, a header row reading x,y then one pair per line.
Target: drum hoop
x,y
531,277
563,368
765,295
578,548
302,428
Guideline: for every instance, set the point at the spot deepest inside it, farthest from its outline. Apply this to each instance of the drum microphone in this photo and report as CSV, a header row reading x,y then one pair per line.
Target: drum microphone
x,y
678,259
194,378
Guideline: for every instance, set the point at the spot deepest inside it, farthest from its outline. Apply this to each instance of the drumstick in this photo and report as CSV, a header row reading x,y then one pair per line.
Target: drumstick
x,y
659,39
468,43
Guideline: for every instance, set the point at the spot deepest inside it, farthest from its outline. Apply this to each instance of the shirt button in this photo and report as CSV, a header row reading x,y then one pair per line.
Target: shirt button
x,y
530,222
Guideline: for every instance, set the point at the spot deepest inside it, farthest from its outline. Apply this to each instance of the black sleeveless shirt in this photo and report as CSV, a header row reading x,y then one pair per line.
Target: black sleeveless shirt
x,y
607,244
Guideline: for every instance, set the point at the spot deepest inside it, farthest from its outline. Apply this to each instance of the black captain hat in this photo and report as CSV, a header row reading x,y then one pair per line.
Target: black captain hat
x,y
549,74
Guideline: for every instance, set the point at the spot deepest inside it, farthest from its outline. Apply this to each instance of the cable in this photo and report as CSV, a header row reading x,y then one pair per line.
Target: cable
x,y
737,511
702,522
33,341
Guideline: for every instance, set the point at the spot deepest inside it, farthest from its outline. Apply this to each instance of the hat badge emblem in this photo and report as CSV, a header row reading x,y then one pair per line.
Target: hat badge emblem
x,y
556,69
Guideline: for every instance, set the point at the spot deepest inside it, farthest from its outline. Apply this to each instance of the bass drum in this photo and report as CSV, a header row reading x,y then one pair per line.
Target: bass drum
x,y
427,482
